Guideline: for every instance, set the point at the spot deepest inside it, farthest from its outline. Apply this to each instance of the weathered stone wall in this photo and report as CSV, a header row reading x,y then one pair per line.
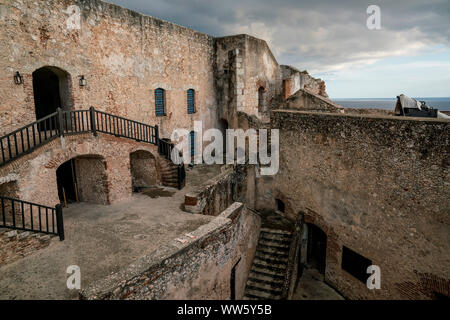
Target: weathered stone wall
x,y
198,269
305,100
243,65
218,193
92,181
15,245
143,169
35,173
377,185
123,55
294,80
261,70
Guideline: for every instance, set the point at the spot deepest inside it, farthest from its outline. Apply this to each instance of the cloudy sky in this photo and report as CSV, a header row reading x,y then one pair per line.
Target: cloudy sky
x,y
410,54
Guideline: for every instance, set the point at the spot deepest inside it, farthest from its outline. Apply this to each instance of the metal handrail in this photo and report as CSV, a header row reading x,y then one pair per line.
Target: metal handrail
x,y
23,215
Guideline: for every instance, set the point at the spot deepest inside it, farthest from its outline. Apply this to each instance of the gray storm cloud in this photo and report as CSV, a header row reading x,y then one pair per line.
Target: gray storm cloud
x,y
320,36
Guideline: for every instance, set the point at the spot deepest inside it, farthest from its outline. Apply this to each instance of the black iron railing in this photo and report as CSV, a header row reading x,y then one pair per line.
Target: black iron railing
x,y
126,128
24,140
23,215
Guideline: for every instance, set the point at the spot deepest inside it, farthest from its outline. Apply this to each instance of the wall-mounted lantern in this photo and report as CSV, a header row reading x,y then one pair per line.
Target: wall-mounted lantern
x,y
18,78
83,81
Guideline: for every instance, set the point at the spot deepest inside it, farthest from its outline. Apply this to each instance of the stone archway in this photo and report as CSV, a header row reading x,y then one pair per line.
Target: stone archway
x,y
52,89
143,169
84,179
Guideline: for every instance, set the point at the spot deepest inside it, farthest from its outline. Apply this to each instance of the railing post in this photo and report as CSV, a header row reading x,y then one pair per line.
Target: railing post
x,y
93,126
157,137
60,122
59,221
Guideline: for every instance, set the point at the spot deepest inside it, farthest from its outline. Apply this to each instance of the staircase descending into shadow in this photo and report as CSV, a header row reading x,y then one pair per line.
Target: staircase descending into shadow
x,y
268,273
169,174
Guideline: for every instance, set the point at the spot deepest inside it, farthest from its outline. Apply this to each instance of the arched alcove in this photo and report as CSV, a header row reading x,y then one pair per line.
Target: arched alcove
x,y
143,169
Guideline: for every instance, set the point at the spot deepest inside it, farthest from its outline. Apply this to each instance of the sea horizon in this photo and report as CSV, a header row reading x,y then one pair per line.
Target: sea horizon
x,y
440,103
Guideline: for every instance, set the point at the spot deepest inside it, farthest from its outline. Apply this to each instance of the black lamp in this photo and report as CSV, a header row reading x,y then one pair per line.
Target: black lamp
x,y
83,81
18,78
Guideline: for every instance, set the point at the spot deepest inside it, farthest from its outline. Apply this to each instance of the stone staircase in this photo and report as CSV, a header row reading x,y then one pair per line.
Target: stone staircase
x,y
169,173
267,275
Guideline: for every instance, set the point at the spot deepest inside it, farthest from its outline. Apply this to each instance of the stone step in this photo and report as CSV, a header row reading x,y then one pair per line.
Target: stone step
x,y
264,278
262,269
270,265
272,250
276,231
170,181
274,288
272,258
276,254
280,241
172,185
273,244
276,236
255,293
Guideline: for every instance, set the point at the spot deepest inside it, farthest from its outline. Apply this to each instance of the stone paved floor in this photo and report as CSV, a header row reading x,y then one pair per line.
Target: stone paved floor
x,y
102,240
312,287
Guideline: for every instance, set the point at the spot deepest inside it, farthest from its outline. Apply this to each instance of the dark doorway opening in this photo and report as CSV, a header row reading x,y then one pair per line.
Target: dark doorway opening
x,y
317,248
223,126
280,205
261,99
66,180
51,90
233,281
46,92
355,264
440,296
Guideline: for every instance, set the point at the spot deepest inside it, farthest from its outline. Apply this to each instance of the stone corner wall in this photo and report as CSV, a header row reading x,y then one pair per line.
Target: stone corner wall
x,y
218,193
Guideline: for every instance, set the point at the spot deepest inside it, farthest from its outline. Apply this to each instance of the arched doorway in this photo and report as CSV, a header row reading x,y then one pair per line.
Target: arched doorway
x,y
316,248
84,179
261,99
52,90
223,126
143,169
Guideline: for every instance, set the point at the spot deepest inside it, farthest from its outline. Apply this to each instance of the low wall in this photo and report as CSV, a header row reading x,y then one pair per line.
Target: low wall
x,y
218,193
15,245
196,267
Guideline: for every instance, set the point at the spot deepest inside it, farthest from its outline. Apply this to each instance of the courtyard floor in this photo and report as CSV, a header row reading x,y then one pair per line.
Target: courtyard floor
x,y
312,287
103,239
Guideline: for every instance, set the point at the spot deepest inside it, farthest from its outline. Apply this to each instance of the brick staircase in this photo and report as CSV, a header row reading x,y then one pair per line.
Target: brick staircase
x,y
268,271
169,173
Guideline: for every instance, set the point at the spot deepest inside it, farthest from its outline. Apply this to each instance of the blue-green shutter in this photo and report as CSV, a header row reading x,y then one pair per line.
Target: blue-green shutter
x,y
191,101
192,140
160,102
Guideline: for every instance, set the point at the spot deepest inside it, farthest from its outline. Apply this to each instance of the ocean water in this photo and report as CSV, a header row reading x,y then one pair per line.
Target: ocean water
x,y
389,103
